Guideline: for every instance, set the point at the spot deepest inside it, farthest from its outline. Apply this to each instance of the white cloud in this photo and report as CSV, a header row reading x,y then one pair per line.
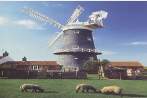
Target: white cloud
x,y
3,20
136,43
26,23
29,24
106,52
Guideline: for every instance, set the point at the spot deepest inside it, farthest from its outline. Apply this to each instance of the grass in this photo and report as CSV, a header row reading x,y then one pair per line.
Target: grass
x,y
57,88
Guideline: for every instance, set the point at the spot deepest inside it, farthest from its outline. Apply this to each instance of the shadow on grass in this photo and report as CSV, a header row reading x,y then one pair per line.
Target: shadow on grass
x,y
134,95
129,95
50,92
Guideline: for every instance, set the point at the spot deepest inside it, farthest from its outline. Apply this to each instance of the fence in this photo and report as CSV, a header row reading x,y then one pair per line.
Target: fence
x,y
21,74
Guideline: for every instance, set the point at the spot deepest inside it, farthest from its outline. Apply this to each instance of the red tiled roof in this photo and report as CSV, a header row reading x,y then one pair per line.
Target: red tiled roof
x,y
31,63
125,64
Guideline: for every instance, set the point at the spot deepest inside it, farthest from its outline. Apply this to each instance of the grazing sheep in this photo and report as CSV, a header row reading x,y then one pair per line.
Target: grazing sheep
x,y
112,90
85,87
33,87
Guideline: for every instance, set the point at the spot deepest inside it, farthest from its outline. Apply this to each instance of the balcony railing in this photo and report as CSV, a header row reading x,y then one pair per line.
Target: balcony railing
x,y
77,50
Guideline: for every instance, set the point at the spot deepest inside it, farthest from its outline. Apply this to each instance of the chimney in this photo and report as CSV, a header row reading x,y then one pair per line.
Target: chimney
x,y
24,59
5,54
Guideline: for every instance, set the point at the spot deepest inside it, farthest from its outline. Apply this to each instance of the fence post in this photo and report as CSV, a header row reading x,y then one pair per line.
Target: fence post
x,y
2,73
28,74
120,75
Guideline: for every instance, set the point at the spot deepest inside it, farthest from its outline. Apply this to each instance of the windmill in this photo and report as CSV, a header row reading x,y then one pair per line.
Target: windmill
x,y
78,45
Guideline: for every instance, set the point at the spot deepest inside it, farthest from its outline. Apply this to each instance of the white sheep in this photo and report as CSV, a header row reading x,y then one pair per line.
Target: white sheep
x,y
85,87
32,87
111,90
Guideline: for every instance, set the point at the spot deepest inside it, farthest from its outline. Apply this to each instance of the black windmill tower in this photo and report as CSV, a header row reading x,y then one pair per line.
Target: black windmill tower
x,y
77,40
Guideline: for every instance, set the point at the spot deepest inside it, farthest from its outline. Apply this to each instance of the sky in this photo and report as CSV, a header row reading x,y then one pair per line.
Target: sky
x,y
123,38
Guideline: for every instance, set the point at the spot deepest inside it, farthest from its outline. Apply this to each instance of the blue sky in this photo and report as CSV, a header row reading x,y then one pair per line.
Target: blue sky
x,y
124,36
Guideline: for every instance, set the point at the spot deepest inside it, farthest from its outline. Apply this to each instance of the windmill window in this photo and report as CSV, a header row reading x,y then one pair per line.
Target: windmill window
x,y
75,47
76,32
89,39
76,58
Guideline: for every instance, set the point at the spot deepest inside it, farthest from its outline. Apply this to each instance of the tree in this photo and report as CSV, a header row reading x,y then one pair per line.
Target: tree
x,y
104,63
24,59
91,66
96,66
102,68
5,54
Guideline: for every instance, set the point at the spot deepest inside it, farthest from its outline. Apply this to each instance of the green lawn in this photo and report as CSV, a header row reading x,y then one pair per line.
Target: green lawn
x,y
57,88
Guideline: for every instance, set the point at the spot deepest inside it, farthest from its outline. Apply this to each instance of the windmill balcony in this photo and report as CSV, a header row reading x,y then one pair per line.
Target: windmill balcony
x,y
77,50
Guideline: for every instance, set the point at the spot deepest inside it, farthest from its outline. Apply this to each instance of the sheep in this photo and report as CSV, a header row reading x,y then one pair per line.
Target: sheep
x,y
85,87
111,90
33,87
